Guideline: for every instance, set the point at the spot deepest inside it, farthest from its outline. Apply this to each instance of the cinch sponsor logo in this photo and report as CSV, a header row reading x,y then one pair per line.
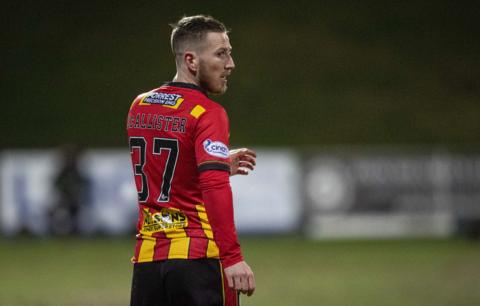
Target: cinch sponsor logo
x,y
162,98
166,218
216,148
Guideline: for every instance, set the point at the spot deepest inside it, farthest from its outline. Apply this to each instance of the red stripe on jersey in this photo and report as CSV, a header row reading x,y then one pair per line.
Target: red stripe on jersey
x,y
138,244
198,247
162,247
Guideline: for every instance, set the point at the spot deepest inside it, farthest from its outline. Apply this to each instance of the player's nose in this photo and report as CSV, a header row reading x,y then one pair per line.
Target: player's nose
x,y
230,63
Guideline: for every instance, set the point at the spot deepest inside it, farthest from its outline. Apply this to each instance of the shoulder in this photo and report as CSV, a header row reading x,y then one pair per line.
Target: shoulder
x,y
196,98
186,98
139,99
207,106
209,112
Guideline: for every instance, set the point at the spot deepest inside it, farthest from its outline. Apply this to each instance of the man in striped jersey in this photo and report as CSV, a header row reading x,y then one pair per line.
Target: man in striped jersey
x,y
187,251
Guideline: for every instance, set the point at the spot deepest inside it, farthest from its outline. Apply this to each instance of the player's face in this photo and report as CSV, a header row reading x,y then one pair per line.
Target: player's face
x,y
215,63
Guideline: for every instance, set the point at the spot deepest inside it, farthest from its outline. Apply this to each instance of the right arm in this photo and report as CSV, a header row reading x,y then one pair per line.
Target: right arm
x,y
214,177
217,195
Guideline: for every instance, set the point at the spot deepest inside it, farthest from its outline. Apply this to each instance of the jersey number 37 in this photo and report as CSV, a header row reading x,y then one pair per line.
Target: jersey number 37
x,y
159,145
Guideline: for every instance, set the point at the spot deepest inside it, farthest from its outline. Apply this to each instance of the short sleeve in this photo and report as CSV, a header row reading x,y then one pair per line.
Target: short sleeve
x,y
212,140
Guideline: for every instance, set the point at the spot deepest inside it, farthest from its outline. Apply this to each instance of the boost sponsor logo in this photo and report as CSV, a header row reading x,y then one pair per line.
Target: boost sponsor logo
x,y
215,148
165,219
162,98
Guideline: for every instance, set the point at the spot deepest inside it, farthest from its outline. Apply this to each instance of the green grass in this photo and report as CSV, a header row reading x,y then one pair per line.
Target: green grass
x,y
289,271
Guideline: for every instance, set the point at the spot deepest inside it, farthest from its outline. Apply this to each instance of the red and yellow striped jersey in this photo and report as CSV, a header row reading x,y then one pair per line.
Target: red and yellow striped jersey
x,y
175,132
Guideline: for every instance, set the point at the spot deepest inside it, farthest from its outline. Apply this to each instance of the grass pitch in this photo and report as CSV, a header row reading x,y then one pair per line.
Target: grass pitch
x,y
289,271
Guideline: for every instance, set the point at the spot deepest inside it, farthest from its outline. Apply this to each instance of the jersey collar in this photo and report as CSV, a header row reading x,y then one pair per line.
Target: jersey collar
x,y
187,85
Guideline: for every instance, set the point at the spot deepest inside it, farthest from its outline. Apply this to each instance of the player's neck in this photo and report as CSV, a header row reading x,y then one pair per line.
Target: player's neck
x,y
183,78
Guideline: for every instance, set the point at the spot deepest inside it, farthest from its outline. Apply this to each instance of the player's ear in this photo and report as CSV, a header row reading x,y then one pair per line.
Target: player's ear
x,y
191,60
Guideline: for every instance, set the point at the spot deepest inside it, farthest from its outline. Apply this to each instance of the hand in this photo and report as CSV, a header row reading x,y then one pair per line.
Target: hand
x,y
240,277
241,160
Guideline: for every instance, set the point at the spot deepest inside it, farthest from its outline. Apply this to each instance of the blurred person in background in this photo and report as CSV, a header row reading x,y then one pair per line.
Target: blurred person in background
x,y
72,190
187,250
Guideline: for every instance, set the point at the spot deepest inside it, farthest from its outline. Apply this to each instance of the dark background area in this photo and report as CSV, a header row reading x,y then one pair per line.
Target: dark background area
x,y
308,72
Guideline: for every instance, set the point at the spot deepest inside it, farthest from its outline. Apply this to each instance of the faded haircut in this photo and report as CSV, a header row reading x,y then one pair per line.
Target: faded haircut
x,y
193,29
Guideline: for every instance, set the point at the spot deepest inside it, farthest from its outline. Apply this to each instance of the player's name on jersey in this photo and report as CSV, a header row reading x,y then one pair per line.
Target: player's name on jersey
x,y
157,122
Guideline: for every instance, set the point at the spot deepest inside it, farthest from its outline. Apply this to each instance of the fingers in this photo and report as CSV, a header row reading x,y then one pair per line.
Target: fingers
x,y
249,152
240,284
243,151
230,281
246,164
242,161
240,277
244,284
242,171
251,284
236,282
248,284
247,158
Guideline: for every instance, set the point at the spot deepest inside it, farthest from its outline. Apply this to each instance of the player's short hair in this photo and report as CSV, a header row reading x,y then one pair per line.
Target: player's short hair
x,y
193,29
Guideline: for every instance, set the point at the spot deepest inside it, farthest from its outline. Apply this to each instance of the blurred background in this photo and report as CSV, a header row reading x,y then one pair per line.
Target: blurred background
x,y
364,116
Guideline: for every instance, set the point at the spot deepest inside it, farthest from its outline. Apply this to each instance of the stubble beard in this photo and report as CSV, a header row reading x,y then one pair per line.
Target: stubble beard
x,y
207,83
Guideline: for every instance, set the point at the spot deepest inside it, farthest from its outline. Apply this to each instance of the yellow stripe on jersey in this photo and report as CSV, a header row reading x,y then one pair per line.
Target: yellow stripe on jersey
x,y
179,243
143,98
212,248
197,111
147,249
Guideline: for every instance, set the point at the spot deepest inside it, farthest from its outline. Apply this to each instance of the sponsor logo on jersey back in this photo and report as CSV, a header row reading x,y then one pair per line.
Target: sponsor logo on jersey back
x,y
215,148
162,98
165,219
